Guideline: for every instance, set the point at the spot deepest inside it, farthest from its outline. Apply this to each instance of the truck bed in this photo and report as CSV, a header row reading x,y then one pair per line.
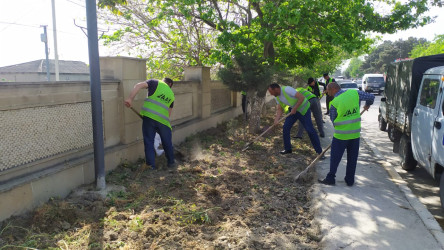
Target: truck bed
x,y
402,87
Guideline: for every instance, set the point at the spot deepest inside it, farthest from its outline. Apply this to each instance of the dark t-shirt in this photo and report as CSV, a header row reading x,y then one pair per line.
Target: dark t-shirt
x,y
316,90
152,86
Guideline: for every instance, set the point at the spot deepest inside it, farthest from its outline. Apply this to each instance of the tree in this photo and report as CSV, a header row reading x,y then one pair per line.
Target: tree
x,y
387,52
352,70
168,43
285,34
429,48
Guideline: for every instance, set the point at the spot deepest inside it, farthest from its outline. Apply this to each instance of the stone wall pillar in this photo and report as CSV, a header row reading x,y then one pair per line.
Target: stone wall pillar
x,y
201,74
129,71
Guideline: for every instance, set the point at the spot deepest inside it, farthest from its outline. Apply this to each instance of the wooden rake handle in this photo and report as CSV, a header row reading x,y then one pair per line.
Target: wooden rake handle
x,y
316,159
263,133
312,163
137,113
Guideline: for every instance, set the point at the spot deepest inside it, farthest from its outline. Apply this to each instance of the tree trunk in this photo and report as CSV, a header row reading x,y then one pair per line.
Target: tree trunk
x,y
257,102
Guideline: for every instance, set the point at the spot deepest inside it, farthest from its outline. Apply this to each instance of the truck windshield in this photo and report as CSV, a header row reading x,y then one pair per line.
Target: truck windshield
x,y
375,79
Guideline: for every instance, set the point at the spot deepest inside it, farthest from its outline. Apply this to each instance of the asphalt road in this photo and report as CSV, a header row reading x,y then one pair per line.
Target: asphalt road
x,y
419,180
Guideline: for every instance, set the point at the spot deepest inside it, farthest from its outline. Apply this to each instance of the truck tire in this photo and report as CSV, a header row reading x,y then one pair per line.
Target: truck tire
x,y
393,134
382,123
406,154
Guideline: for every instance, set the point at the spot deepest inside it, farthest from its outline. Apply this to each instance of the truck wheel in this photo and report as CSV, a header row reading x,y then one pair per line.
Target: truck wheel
x,y
393,134
382,123
406,154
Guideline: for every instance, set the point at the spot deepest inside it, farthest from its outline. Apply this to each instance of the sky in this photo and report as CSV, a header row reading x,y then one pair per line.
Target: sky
x,y
20,31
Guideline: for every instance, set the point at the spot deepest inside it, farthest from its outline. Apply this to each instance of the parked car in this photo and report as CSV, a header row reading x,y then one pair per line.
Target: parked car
x,y
373,83
348,85
359,82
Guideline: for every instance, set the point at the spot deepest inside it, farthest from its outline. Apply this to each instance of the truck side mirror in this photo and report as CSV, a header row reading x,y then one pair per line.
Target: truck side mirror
x,y
383,99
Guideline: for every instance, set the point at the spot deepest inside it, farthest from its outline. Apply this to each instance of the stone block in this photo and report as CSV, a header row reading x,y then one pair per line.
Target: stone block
x,y
15,201
59,185
183,106
132,132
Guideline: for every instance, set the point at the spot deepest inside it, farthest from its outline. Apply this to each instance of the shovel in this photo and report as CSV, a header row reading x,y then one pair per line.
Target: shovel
x,y
263,133
316,159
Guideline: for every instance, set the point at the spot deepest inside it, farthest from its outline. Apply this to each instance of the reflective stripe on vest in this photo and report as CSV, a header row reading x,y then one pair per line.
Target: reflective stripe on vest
x,y
307,94
157,105
156,113
348,122
292,101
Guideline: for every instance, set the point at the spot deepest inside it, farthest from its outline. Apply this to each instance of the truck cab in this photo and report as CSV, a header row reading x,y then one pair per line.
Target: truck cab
x,y
427,130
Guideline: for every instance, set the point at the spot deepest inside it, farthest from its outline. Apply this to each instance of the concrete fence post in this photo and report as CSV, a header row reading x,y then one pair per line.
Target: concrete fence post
x,y
128,71
201,74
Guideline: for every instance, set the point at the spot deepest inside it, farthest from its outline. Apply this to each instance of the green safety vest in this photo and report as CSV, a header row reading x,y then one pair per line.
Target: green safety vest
x,y
293,100
348,122
328,81
157,105
307,94
309,88
243,93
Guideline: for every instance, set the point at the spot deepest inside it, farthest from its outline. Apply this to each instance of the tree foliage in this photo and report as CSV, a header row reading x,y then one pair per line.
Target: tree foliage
x,y
429,48
246,69
388,52
353,69
283,34
286,33
168,43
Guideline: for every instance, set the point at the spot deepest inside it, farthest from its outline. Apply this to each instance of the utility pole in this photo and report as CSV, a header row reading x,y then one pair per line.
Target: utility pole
x,y
44,38
54,30
96,95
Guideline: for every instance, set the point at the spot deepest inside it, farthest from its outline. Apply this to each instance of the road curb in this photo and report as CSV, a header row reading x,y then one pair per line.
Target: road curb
x,y
426,217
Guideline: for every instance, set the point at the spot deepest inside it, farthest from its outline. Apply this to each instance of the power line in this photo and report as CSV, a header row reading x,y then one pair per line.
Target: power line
x,y
36,26
20,24
76,3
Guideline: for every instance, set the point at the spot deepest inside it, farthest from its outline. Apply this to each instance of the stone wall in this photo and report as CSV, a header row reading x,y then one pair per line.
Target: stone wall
x,y
46,140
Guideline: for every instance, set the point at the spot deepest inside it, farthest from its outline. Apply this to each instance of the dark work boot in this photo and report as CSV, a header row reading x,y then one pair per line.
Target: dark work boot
x,y
327,182
284,152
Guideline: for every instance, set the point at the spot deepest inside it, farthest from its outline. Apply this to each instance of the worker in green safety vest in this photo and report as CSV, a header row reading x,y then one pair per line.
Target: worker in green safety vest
x,y
315,108
328,99
289,100
156,112
346,118
313,87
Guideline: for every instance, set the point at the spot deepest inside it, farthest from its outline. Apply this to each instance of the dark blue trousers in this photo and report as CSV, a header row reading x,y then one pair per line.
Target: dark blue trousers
x,y
149,129
307,124
337,151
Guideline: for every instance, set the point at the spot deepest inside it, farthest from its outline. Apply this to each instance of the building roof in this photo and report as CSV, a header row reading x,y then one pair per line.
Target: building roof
x,y
39,66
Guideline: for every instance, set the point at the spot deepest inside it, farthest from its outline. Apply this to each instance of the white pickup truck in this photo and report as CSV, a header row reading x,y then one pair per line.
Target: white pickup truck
x,y
413,109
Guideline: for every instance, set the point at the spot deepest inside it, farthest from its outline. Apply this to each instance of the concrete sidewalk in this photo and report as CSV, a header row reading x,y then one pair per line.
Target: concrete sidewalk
x,y
378,212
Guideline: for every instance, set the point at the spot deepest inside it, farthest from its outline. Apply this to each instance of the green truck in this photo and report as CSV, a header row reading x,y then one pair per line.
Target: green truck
x,y
413,110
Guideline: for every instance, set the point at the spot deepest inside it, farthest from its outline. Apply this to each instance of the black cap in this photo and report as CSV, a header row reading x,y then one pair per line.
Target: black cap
x,y
325,74
310,80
